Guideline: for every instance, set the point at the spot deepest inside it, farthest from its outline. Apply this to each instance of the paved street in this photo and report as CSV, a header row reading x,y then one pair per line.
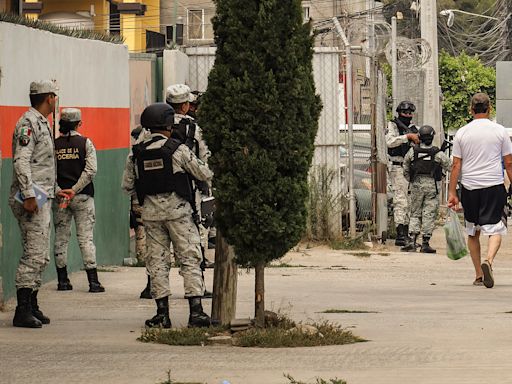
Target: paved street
x,y
432,326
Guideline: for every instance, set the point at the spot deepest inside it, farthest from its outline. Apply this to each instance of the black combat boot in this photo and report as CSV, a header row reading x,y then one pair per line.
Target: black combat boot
x,y
400,235
94,284
63,283
197,318
23,316
407,238
207,294
161,319
38,314
146,293
425,246
411,244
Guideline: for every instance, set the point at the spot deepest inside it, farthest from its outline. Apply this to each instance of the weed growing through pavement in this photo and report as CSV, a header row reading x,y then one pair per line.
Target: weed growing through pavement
x,y
323,333
318,381
286,265
348,243
169,381
362,254
180,336
281,332
345,311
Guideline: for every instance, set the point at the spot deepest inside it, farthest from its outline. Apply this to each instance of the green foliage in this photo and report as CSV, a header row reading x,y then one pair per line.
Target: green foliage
x,y
286,337
259,117
71,32
350,243
460,78
179,336
322,204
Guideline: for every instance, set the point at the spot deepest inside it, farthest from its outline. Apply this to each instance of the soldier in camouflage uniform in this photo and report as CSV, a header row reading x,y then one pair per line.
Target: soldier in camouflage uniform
x,y
34,168
158,171
423,166
179,97
400,134
76,168
137,223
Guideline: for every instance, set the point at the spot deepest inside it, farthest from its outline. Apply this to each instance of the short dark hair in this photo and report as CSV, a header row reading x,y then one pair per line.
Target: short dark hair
x,y
38,99
68,125
480,103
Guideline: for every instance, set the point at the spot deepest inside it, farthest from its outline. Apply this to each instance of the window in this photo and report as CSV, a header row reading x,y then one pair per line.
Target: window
x,y
195,18
306,7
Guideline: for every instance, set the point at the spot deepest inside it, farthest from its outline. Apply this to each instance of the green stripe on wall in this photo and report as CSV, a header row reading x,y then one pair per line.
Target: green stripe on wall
x,y
111,234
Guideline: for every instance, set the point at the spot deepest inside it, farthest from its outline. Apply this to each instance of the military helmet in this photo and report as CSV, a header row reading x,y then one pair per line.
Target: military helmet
x,y
157,116
426,133
406,106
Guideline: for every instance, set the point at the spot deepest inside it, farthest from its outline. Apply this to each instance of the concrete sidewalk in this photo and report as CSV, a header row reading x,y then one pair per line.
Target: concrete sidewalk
x,y
432,325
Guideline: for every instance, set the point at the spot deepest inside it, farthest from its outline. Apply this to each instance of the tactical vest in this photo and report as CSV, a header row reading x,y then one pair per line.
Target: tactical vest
x,y
185,132
424,163
70,155
402,149
154,170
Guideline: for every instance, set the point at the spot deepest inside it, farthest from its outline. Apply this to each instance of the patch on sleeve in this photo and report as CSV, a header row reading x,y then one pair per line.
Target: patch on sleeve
x,y
24,137
25,131
24,140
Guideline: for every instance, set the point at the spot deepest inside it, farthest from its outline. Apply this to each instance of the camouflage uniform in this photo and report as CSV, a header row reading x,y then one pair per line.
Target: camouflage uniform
x,y
397,180
203,153
81,208
424,194
168,219
140,233
33,163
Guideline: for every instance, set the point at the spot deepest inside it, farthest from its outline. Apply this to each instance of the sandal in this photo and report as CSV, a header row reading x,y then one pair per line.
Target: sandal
x,y
488,277
478,281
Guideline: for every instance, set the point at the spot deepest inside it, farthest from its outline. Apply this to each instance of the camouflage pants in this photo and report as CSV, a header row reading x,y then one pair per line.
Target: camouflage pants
x,y
140,233
203,233
184,236
35,236
424,207
400,188
81,208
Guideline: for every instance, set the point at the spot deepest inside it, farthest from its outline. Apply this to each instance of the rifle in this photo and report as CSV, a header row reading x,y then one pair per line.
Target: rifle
x,y
446,145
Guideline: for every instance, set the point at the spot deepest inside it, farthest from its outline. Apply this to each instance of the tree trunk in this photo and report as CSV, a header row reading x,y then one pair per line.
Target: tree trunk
x,y
259,299
225,277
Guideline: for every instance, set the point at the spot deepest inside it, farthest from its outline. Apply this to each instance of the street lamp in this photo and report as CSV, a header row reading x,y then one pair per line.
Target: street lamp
x,y
451,16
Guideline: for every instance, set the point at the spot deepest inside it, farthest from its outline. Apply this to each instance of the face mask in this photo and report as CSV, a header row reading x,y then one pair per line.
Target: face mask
x,y
405,119
426,140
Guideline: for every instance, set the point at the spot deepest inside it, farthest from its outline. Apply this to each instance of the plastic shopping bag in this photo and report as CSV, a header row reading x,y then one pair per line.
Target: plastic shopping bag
x,y
455,237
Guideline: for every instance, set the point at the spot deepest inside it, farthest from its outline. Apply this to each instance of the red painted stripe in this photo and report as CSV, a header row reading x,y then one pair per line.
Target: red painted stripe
x,y
108,128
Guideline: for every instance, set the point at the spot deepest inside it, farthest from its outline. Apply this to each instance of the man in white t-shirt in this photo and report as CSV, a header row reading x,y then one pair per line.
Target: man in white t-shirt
x,y
480,149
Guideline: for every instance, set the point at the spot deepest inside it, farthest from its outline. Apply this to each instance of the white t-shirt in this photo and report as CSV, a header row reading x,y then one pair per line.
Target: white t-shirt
x,y
481,145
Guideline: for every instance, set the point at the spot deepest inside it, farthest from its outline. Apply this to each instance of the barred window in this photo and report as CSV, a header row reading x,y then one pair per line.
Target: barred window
x,y
195,23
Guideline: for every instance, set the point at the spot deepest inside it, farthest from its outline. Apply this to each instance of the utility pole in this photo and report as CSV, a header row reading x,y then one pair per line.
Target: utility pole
x,y
175,21
350,123
394,64
432,94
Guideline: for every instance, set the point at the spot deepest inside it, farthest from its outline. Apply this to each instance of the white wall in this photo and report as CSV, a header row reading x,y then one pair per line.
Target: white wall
x,y
175,68
90,73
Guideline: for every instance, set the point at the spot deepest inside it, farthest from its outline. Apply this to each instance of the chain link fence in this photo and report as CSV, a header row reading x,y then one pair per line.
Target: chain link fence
x,y
329,197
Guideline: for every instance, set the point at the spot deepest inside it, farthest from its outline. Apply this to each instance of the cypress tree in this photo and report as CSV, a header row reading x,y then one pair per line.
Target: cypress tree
x,y
260,118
